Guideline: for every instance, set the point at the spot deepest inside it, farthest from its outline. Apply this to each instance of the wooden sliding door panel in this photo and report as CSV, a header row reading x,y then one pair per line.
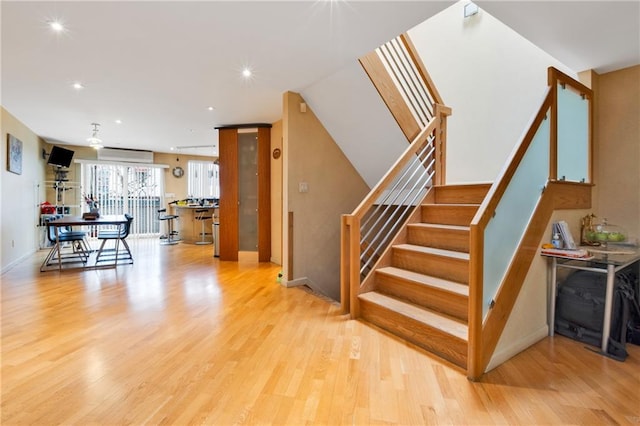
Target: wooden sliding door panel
x,y
228,158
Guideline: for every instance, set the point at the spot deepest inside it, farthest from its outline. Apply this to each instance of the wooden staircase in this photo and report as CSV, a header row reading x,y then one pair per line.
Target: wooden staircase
x,y
423,295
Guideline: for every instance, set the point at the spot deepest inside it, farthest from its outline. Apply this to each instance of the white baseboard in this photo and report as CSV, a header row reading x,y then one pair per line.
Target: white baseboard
x,y
297,282
8,267
516,347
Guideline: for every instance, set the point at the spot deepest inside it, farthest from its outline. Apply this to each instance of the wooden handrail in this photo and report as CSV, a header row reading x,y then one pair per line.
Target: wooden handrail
x,y
555,76
475,359
402,161
481,347
350,224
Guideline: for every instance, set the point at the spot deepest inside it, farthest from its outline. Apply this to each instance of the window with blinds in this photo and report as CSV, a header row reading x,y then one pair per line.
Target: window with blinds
x,y
203,179
123,188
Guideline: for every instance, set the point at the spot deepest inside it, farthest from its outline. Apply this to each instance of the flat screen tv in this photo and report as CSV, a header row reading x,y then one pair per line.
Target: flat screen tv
x,y
60,157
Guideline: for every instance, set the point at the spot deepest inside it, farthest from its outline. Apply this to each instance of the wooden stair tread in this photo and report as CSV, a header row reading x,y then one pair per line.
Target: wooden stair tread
x,y
440,226
422,315
427,280
434,251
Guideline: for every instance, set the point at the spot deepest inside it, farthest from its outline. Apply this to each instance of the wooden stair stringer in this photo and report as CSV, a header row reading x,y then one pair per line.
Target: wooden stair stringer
x,y
444,337
434,293
418,290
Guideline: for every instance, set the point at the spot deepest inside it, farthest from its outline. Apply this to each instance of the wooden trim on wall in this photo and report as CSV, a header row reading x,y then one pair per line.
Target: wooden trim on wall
x,y
345,264
264,194
228,158
373,66
290,247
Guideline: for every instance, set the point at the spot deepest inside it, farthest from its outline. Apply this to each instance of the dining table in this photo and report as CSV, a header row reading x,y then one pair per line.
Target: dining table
x,y
54,258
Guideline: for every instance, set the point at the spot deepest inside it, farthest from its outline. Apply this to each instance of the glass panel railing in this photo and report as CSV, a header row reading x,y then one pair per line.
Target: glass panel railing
x,y
505,230
573,135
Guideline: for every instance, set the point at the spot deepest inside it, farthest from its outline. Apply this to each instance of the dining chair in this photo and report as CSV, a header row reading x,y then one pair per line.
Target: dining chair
x,y
77,239
116,235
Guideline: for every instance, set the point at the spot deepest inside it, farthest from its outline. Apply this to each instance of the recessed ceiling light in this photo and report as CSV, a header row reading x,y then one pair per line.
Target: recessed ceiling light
x,y
246,73
56,26
78,86
210,108
118,121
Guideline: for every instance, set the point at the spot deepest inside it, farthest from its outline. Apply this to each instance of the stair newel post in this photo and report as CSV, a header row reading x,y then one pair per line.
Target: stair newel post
x,y
441,112
354,265
476,260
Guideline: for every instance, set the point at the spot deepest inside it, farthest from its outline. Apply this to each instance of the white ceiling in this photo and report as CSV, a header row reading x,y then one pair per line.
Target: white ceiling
x,y
599,35
158,65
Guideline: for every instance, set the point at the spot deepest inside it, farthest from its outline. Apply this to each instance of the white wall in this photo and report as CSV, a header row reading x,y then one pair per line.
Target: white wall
x,y
492,78
351,109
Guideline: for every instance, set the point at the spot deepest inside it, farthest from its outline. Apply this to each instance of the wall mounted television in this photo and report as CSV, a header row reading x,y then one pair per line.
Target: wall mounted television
x,y
60,157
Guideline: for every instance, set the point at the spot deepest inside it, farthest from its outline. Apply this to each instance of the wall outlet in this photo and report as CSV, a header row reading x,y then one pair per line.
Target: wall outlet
x,y
303,187
169,195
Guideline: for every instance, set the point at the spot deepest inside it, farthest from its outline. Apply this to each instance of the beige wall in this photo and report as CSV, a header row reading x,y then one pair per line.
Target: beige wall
x,y
19,194
334,188
173,185
617,148
73,196
276,194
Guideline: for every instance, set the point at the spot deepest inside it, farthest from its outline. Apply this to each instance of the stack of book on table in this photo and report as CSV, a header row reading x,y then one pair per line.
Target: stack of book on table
x,y
573,254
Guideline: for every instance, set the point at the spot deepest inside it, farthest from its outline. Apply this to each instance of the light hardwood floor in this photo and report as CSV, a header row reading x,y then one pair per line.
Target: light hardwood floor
x,y
182,338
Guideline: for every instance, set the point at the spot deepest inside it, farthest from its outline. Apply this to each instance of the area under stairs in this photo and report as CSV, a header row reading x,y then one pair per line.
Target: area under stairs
x,y
423,295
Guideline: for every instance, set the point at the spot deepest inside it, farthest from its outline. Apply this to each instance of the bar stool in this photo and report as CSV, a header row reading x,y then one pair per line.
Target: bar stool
x,y
201,215
168,240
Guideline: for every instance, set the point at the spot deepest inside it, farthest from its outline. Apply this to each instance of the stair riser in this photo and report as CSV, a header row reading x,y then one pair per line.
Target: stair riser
x,y
463,194
447,239
429,338
452,304
448,214
437,266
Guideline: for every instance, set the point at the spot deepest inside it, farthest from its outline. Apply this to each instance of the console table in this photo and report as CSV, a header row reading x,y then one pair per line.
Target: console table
x,y
603,261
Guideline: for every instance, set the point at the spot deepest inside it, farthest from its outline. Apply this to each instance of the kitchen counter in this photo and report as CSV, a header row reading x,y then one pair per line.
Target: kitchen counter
x,y
189,228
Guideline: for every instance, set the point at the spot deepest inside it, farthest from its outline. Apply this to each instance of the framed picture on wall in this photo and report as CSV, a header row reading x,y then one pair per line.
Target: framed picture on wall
x,y
14,155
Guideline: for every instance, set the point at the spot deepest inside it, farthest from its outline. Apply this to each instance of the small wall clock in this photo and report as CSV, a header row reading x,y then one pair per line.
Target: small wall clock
x,y
178,171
